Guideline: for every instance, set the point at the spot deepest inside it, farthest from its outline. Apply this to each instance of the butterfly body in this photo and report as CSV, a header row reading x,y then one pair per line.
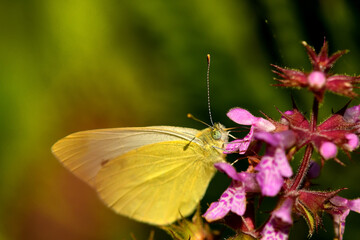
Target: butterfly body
x,y
151,174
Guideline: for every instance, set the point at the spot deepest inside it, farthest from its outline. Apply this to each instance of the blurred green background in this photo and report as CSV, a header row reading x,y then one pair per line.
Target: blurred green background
x,y
67,66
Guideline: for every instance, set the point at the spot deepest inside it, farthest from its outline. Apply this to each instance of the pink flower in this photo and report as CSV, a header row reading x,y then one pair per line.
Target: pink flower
x,y
243,117
336,131
352,114
353,142
274,165
278,226
233,199
319,80
341,210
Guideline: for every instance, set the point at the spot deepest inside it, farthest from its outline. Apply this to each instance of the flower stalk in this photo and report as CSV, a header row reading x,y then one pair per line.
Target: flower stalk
x,y
305,163
301,173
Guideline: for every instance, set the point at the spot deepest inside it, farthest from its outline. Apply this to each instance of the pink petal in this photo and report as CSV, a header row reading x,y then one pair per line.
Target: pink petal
x,y
339,223
273,234
244,117
240,145
354,205
232,199
228,169
339,201
270,182
282,163
270,232
235,146
216,211
353,142
268,177
286,138
241,116
267,137
238,204
284,212
339,218
264,125
352,114
249,181
277,228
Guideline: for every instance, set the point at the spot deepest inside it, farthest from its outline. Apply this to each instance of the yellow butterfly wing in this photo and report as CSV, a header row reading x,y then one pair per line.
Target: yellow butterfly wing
x,y
158,183
84,153
151,174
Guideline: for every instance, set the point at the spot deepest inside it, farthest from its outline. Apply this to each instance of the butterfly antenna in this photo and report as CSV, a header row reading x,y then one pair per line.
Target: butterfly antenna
x,y
189,115
208,87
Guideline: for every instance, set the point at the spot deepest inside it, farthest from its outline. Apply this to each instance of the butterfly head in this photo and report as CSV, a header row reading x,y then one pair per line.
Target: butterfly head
x,y
218,132
219,136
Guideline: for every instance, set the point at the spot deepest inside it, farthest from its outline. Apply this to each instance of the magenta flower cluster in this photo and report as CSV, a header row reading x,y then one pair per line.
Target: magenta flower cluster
x,y
270,174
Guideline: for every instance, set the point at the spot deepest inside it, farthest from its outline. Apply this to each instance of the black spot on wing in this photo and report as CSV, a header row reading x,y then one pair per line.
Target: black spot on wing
x,y
103,162
187,145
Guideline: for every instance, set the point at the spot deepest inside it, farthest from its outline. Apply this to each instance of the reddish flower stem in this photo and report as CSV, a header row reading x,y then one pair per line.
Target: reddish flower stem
x,y
314,115
301,173
302,169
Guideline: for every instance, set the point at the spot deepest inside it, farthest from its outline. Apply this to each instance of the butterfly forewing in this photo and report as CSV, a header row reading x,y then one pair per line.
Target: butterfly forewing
x,y
85,152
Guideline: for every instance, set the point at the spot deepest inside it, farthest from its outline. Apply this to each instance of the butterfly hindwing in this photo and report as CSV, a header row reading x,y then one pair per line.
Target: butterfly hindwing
x,y
156,183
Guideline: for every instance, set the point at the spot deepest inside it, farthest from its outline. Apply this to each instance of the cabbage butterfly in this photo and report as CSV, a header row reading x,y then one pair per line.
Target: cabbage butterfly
x,y
151,174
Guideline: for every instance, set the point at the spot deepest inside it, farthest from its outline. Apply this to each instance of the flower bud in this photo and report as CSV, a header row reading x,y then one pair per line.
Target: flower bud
x,y
328,150
316,80
352,114
314,170
353,141
283,120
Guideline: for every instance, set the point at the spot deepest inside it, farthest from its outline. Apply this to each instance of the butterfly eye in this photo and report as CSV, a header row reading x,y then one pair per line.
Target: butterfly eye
x,y
216,134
